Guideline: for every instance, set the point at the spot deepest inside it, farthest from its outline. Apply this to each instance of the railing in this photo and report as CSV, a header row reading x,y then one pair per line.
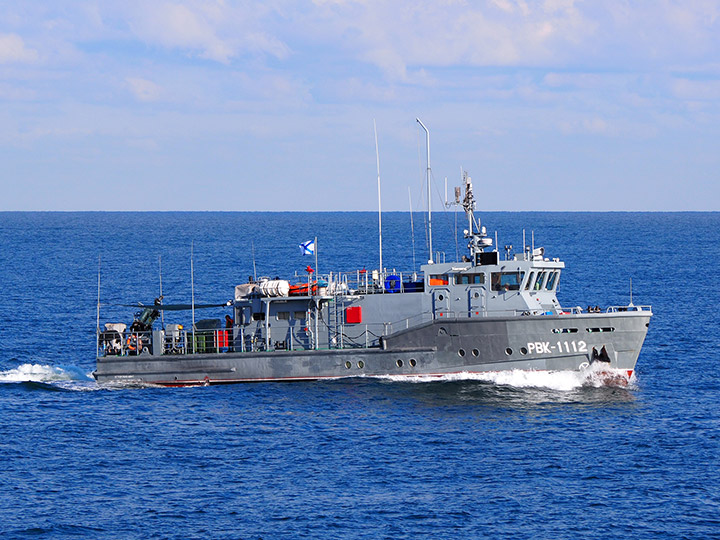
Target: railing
x,y
372,332
615,309
160,342
365,282
611,309
113,343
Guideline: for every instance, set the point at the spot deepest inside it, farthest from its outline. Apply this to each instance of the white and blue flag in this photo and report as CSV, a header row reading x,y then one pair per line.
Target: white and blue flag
x,y
308,248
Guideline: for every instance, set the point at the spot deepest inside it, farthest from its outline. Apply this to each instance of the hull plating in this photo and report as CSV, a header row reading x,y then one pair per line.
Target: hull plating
x,y
559,343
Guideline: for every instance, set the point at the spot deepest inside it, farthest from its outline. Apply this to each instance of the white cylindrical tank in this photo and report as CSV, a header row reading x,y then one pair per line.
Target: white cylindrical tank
x,y
275,287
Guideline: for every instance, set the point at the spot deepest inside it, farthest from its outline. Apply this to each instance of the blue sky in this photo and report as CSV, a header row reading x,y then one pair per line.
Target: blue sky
x,y
225,105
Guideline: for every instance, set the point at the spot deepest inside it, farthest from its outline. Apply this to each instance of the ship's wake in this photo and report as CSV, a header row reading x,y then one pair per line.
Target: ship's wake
x,y
66,377
593,376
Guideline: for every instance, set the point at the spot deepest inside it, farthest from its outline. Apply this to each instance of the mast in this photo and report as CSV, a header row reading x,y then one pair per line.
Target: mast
x,y
97,333
476,234
377,158
429,206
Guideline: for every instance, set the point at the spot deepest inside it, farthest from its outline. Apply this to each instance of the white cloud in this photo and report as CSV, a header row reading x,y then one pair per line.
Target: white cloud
x,y
399,37
13,49
142,89
213,30
177,25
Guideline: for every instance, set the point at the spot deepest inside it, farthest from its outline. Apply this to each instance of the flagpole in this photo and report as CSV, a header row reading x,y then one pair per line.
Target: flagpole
x,y
316,258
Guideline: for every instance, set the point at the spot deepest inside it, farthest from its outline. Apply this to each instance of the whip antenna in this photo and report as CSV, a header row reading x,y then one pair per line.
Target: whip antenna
x,y
377,158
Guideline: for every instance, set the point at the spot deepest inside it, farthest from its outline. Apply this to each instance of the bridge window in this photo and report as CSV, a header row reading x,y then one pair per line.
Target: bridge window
x,y
439,279
506,281
551,281
529,281
300,314
283,315
469,279
539,281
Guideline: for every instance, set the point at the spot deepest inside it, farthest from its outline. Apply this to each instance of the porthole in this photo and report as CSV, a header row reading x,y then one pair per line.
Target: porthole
x,y
475,352
348,365
508,351
461,352
441,297
413,362
477,295
399,363
523,350
361,364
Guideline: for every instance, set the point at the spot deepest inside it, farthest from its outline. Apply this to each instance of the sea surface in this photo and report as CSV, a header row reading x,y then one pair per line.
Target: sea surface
x,y
512,455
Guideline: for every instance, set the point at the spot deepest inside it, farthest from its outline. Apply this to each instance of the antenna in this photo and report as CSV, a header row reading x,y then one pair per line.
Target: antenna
x,y
162,312
427,143
532,232
252,248
631,299
377,158
97,333
412,229
192,290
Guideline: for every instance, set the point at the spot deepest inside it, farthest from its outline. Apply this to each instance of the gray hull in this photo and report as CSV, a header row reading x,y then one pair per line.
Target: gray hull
x,y
436,348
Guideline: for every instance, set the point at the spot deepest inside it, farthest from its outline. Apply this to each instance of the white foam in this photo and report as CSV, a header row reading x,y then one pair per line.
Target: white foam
x,y
595,376
43,373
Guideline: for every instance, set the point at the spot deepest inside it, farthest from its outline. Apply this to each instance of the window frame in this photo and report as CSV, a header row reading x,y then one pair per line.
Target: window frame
x,y
500,286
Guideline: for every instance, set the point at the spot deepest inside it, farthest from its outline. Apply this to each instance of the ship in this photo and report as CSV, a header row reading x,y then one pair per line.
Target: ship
x,y
488,312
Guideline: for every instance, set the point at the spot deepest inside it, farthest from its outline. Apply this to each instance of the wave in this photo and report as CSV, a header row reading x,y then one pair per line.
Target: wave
x,y
44,374
594,376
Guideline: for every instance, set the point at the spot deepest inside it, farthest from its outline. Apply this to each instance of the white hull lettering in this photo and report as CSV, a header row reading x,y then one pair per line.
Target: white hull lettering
x,y
561,347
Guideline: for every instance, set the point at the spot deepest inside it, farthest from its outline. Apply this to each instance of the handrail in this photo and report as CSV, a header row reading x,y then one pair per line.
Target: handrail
x,y
240,340
599,311
366,281
615,309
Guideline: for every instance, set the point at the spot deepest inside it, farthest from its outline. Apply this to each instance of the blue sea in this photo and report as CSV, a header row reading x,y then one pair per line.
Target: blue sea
x,y
514,455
